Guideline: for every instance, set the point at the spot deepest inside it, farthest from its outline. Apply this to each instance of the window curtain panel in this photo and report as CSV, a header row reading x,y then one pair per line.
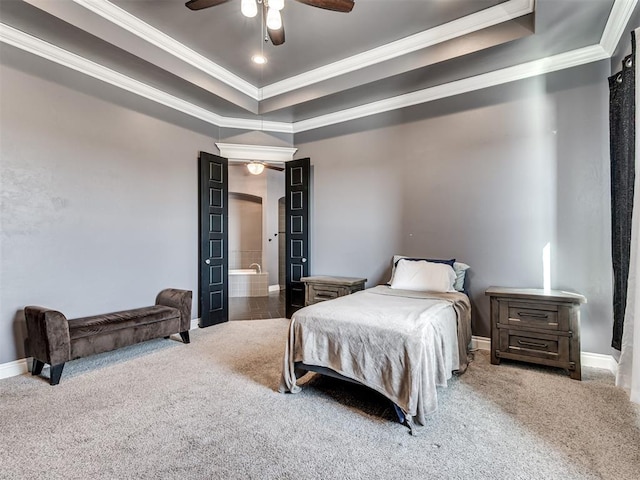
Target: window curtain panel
x,y
628,375
622,150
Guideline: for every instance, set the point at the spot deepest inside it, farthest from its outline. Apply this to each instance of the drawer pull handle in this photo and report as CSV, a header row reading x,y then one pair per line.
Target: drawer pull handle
x,y
533,314
325,295
533,344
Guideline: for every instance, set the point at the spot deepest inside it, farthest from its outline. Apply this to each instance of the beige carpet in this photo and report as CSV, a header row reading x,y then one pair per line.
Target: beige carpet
x,y
210,410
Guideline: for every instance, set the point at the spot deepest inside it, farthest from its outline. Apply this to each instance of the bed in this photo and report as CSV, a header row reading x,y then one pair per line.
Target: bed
x,y
402,343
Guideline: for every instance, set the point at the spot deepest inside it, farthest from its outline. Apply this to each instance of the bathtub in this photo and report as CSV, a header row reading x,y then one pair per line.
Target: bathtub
x,y
244,271
246,282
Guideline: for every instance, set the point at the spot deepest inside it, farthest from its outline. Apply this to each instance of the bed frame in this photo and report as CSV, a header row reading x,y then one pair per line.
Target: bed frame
x,y
332,373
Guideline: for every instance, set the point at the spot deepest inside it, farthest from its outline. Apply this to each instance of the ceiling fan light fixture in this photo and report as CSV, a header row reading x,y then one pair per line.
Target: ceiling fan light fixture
x,y
249,8
255,168
276,4
274,20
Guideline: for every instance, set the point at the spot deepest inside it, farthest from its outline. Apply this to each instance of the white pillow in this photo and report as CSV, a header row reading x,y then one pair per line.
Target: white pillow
x,y
423,276
458,267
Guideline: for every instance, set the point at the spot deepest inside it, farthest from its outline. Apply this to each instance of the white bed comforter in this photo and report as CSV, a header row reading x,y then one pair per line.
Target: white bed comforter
x,y
402,344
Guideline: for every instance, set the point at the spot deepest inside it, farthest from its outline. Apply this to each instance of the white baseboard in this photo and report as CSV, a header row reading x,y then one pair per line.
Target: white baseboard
x,y
12,369
480,343
594,360
598,360
19,367
274,288
587,359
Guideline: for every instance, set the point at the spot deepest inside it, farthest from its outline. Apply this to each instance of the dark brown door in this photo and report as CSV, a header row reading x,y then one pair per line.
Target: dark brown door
x,y
214,248
297,182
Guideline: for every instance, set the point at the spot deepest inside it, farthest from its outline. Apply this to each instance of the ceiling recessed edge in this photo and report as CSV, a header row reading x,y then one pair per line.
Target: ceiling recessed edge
x,y
36,46
236,151
146,32
440,34
518,72
618,18
615,25
485,18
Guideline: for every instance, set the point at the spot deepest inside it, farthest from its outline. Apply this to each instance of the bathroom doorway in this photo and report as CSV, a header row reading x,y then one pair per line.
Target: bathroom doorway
x,y
256,220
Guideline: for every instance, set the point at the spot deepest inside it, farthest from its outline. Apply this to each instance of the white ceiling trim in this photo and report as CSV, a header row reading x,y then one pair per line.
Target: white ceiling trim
x,y
123,19
618,19
619,16
440,34
497,77
477,21
24,41
236,151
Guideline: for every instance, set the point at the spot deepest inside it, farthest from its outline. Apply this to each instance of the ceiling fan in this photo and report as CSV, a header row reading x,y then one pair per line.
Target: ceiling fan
x,y
255,167
271,11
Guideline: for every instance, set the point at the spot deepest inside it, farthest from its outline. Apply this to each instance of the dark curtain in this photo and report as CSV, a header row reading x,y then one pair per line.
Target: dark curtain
x,y
622,145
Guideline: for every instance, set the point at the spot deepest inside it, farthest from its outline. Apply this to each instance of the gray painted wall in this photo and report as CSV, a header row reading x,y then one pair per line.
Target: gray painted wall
x,y
99,203
99,196
488,178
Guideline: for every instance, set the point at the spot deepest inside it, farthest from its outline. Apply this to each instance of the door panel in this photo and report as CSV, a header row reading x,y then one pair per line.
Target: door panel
x,y
297,179
213,306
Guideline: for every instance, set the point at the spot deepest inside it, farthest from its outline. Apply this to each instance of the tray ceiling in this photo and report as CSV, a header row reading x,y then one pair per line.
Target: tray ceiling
x,y
333,66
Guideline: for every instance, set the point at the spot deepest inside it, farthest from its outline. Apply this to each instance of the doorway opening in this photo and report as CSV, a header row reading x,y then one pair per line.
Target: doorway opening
x,y
256,274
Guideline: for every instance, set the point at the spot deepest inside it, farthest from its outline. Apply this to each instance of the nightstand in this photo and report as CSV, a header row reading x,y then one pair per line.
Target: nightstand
x,y
323,287
537,326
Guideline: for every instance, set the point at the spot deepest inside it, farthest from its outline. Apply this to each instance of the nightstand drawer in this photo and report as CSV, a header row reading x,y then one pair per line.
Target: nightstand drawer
x,y
318,293
534,316
537,345
323,287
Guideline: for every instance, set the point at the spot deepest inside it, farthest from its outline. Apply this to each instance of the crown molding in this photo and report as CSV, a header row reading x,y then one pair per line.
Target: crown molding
x,y
143,30
236,151
477,21
621,12
36,46
440,34
497,77
618,19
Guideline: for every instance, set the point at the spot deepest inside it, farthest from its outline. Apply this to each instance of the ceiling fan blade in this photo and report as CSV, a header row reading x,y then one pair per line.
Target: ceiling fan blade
x,y
200,4
266,165
273,167
334,5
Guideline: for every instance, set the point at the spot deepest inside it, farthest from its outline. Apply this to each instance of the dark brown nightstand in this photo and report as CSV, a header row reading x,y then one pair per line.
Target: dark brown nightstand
x,y
324,287
535,325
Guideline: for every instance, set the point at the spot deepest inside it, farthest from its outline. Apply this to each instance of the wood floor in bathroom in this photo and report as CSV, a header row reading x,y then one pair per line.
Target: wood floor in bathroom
x,y
257,308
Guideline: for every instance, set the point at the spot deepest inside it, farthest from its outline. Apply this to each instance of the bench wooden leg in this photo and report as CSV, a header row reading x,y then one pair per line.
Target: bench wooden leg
x,y
55,372
36,367
185,336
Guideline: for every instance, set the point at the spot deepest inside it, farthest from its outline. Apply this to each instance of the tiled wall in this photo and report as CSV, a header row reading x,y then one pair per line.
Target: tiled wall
x,y
249,285
243,258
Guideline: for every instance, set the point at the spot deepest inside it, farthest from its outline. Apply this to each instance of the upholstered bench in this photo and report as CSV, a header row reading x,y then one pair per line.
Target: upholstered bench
x,y
55,340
